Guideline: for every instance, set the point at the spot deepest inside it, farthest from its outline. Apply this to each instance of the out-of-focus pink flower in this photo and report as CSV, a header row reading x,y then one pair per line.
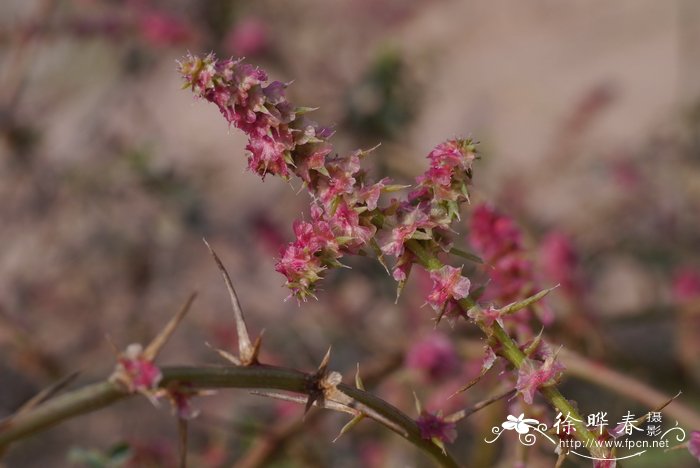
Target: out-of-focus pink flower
x,y
531,376
434,356
181,399
493,234
498,240
151,453
694,444
448,286
162,29
604,463
247,38
432,426
559,262
626,175
686,285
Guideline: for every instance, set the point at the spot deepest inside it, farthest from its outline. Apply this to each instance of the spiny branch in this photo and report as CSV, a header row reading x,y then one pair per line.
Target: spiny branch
x,y
102,394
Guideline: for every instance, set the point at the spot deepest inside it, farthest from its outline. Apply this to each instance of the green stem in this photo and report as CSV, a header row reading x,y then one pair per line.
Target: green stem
x,y
102,394
511,351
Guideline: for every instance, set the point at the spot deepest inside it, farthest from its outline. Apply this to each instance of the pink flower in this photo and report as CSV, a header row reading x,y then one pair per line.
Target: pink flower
x,y
180,397
497,239
248,37
449,171
453,153
403,266
559,261
604,463
487,316
162,29
493,234
302,261
370,194
532,377
409,223
267,156
694,444
435,356
346,222
448,285
509,276
341,178
136,372
432,426
686,285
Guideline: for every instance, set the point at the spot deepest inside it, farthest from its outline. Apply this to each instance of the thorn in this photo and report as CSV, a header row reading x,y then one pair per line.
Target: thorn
x,y
358,380
225,354
440,444
313,397
159,341
560,460
323,367
352,423
471,383
314,384
516,306
332,405
439,317
484,403
532,347
419,407
246,351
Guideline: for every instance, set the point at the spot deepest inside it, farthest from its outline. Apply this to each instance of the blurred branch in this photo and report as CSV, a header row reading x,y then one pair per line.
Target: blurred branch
x,y
627,386
102,394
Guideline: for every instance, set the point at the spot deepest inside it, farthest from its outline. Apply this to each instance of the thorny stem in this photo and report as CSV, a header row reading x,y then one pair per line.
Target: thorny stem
x,y
102,394
267,446
511,351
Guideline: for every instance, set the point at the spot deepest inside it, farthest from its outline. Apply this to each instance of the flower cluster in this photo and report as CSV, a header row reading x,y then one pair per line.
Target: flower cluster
x,y
345,216
498,240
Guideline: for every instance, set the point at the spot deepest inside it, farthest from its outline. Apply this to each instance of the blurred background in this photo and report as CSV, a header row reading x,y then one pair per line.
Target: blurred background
x,y
588,114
